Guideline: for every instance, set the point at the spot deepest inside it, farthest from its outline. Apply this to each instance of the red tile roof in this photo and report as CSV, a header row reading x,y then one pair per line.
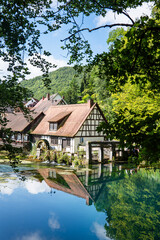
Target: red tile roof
x,y
78,114
18,122
45,103
59,116
42,105
75,186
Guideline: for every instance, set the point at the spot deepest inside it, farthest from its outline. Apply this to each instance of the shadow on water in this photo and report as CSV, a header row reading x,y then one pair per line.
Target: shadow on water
x,y
129,197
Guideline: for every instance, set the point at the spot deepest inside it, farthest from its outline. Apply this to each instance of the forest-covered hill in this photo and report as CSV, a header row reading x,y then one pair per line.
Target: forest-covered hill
x,y
60,82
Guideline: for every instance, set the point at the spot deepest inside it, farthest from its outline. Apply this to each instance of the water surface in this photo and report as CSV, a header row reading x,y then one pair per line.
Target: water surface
x,y
39,202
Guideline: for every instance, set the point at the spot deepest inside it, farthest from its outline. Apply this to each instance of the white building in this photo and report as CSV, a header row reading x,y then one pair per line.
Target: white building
x,y
67,127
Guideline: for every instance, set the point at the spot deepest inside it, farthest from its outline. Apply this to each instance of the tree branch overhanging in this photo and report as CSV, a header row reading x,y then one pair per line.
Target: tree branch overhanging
x,y
97,28
114,9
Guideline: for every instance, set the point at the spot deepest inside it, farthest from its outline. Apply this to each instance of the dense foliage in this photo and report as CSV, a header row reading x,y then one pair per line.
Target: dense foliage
x,y
137,115
62,80
19,38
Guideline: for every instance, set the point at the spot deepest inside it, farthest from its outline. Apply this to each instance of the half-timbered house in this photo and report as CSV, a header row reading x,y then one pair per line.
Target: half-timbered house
x,y
67,127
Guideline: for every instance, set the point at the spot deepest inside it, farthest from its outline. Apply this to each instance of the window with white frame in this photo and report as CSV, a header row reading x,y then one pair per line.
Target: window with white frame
x,y
19,137
54,140
53,126
25,137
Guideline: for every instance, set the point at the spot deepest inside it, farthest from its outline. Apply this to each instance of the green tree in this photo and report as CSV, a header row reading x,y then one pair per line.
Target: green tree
x,y
137,118
115,34
19,37
96,88
60,82
72,11
71,95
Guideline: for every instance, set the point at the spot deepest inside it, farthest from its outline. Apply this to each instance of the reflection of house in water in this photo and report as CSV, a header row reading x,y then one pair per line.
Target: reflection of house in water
x,y
65,181
87,184
94,181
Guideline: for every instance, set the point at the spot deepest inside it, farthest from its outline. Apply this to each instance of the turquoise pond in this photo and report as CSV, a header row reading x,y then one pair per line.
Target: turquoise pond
x,y
42,202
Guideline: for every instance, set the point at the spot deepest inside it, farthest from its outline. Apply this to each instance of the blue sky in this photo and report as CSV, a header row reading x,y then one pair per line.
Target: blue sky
x,y
51,42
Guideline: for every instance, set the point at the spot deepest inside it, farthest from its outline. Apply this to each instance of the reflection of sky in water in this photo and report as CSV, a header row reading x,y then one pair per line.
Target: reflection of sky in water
x,y
29,211
53,222
32,186
32,236
99,230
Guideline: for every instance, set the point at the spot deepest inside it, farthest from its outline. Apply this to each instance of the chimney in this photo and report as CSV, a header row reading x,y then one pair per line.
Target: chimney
x,y
48,96
90,103
43,98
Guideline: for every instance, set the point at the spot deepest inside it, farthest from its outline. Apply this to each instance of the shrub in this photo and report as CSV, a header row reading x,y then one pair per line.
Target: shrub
x,y
77,162
46,155
53,156
149,156
63,158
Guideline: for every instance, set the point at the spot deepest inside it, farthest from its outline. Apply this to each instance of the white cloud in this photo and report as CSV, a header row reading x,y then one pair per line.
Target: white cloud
x,y
99,231
37,72
7,190
8,186
3,68
34,70
134,13
31,236
53,222
34,187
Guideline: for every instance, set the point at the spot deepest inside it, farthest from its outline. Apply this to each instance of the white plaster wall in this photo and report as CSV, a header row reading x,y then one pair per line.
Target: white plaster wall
x,y
75,142
72,145
46,138
54,147
59,144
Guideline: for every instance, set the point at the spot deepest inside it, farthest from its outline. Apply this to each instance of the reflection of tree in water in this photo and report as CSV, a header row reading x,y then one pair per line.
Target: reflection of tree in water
x,y
132,206
19,174
23,175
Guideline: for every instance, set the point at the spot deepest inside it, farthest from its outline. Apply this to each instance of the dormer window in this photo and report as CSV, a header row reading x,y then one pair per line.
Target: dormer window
x,y
53,126
58,120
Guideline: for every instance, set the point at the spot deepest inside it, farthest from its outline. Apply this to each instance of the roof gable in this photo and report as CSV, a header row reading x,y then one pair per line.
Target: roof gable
x,y
76,113
92,121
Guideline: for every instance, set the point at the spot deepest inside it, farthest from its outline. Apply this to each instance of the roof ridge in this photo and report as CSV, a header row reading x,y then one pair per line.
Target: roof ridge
x,y
70,105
